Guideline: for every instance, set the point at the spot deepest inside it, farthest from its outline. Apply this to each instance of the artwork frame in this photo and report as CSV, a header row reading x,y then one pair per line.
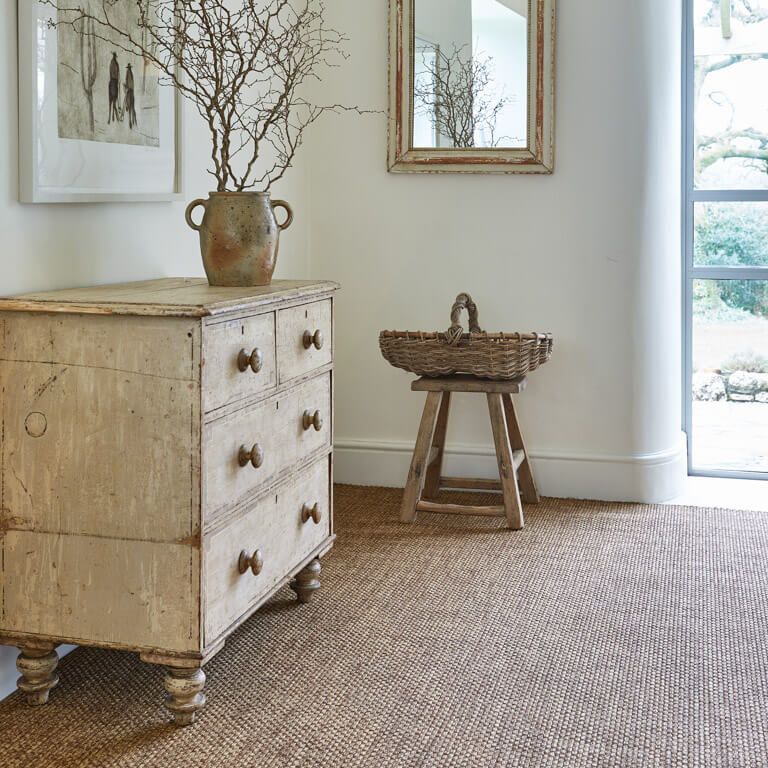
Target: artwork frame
x,y
538,154
56,169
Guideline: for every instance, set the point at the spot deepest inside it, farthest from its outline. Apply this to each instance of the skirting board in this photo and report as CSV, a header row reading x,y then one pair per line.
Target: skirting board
x,y
8,673
648,478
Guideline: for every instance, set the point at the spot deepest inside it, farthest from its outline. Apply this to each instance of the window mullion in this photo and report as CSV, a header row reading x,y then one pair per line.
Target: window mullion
x,y
729,273
728,195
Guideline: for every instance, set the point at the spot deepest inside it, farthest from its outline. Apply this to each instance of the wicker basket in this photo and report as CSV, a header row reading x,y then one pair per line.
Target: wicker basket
x,y
485,355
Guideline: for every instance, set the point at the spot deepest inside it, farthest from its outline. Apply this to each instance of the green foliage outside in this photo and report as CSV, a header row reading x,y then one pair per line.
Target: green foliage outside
x,y
731,234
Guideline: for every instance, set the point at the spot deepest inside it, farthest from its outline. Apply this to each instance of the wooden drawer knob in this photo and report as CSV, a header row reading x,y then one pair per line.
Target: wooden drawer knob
x,y
254,361
312,513
255,456
312,420
255,562
315,339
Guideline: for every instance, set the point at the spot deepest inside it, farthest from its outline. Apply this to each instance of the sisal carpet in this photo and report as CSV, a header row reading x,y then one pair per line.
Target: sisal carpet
x,y
602,635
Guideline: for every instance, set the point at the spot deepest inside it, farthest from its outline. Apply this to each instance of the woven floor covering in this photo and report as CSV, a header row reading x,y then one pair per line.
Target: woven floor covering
x,y
601,635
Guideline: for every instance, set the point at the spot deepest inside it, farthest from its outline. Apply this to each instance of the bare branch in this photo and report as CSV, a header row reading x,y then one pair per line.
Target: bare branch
x,y
244,64
458,97
745,143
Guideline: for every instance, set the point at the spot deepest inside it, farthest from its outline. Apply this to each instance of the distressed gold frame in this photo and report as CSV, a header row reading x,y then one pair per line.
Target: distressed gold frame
x,y
539,153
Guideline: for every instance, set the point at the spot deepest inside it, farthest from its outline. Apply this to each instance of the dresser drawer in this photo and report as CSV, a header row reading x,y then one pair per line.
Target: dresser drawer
x,y
283,537
272,434
300,331
238,360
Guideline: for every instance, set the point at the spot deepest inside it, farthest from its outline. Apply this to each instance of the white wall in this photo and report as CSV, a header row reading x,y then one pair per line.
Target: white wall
x,y
590,253
56,246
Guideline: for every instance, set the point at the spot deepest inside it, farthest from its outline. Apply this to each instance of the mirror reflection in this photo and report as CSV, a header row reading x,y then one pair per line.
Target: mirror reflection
x,y
470,75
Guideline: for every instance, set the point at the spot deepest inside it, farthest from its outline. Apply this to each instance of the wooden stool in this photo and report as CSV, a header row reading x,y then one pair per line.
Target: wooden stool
x,y
424,477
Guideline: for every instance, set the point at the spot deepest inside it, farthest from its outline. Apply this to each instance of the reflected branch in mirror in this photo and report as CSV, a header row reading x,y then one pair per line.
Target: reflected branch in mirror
x,y
456,92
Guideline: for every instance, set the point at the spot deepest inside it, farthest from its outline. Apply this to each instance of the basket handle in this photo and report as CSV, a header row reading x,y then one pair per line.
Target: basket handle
x,y
455,332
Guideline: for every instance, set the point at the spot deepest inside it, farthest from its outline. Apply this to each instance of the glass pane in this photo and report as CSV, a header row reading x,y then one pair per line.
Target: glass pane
x,y
424,117
470,86
730,99
730,234
730,375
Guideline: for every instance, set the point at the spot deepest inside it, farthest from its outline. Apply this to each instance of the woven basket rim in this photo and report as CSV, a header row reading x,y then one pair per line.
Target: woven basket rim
x,y
440,335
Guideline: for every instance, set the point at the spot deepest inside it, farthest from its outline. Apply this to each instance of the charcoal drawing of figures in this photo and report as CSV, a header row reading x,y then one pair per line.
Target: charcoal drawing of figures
x,y
114,88
97,99
129,108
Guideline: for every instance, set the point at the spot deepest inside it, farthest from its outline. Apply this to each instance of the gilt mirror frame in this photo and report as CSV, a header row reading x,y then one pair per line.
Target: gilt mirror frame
x,y
538,154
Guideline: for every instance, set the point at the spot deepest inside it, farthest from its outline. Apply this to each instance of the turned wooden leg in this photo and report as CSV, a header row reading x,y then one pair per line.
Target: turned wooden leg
x,y
37,665
435,468
513,508
306,581
420,461
185,697
524,473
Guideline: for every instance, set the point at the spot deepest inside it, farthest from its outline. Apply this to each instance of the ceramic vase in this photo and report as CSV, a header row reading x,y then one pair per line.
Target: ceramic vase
x,y
239,236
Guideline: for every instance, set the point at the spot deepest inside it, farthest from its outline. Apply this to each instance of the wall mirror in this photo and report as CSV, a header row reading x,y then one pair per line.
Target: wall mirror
x,y
471,86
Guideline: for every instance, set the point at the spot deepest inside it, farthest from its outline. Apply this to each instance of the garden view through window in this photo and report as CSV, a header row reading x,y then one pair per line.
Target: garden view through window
x,y
727,235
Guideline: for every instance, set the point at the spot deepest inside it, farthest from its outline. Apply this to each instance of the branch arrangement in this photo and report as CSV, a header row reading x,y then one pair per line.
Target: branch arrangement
x,y
457,96
244,64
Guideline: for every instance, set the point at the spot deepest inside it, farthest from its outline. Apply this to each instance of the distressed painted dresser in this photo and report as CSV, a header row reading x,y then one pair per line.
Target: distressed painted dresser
x,y
166,468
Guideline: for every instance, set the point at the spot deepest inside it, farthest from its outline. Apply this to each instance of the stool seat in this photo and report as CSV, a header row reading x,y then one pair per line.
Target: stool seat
x,y
425,479
469,384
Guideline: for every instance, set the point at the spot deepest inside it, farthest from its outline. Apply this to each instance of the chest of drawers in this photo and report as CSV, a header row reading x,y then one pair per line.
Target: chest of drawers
x,y
165,468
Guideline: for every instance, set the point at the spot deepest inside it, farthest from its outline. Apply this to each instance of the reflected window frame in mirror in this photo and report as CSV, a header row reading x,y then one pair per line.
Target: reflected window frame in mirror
x,y
536,156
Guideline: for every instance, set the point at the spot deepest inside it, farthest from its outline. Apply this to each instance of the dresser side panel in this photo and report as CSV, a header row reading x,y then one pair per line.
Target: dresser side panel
x,y
150,346
130,594
92,446
3,401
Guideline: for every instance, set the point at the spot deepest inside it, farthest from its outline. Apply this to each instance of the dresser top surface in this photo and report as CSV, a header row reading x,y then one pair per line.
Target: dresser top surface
x,y
170,296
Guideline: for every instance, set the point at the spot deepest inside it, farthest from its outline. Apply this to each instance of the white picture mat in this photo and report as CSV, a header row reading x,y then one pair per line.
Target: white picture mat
x,y
70,170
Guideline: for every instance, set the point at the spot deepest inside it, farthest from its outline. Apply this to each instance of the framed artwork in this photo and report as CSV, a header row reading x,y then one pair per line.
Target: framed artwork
x,y
95,123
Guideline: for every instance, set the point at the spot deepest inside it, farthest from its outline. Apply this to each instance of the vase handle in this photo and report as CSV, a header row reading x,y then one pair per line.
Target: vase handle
x,y
188,214
288,210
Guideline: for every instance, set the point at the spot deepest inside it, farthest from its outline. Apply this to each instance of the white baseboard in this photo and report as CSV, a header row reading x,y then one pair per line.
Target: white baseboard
x,y
8,673
647,478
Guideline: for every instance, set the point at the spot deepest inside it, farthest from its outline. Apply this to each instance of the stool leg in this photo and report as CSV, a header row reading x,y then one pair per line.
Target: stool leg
x,y
435,468
417,472
513,508
525,472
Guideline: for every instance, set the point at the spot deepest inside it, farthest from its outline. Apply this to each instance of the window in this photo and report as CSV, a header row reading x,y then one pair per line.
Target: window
x,y
425,62
726,236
